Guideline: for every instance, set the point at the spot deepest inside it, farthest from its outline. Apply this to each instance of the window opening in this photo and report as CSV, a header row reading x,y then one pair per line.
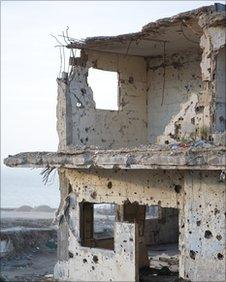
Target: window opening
x,y
161,238
104,85
97,225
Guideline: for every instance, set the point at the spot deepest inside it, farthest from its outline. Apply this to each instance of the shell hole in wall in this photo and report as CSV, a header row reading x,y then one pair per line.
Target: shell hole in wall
x,y
104,85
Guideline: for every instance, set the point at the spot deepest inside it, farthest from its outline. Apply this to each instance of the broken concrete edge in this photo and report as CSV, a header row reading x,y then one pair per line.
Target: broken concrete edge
x,y
217,9
201,116
186,159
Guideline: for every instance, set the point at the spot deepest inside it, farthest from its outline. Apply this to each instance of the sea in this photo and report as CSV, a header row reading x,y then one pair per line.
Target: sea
x,y
20,186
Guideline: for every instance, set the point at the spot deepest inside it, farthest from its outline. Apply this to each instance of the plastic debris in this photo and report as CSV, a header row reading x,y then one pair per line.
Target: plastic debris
x,y
201,143
174,146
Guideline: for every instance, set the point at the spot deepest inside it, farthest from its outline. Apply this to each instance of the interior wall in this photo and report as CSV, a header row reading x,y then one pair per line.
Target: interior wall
x,y
104,128
173,95
162,230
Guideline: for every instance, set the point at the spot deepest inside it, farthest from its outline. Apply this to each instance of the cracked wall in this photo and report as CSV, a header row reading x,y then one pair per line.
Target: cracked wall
x,y
139,187
186,92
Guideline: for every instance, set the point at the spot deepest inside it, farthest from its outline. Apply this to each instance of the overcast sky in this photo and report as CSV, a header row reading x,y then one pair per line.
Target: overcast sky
x,y
30,63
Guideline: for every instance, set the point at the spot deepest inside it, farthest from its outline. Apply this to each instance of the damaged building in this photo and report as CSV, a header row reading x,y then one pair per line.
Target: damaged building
x,y
163,148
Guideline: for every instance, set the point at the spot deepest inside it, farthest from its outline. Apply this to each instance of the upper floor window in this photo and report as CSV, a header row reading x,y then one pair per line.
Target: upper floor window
x,y
104,85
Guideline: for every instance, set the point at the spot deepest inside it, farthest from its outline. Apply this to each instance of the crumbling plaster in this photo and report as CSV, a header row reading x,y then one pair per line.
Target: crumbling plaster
x,y
166,157
191,96
213,63
175,96
199,197
172,77
174,90
163,99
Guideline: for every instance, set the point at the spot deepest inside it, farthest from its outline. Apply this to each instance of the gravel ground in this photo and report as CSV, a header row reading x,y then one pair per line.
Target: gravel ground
x,y
29,266
36,263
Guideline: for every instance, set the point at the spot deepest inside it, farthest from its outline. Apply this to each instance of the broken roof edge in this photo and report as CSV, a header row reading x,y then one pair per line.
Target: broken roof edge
x,y
217,7
179,159
152,26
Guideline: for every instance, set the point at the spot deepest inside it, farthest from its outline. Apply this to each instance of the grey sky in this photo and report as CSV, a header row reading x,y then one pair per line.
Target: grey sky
x,y
30,63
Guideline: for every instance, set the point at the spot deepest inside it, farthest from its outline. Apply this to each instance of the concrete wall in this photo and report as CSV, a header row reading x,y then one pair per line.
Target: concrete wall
x,y
162,230
145,187
120,187
99,264
202,228
174,88
175,97
213,43
107,129
220,116
93,264
146,114
63,233
199,197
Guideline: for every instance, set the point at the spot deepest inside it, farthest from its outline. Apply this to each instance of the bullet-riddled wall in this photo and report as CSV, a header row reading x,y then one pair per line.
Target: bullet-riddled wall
x,y
198,196
81,124
174,88
202,228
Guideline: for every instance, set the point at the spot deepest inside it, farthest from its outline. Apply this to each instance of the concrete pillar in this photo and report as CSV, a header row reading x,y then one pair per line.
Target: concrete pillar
x,y
135,213
212,65
62,233
202,227
86,224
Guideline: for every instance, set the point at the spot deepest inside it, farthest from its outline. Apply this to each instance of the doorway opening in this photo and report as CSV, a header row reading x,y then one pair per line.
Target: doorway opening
x,y
161,238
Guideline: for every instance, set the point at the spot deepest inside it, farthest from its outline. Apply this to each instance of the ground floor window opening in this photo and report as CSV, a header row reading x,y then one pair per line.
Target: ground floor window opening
x,y
97,225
